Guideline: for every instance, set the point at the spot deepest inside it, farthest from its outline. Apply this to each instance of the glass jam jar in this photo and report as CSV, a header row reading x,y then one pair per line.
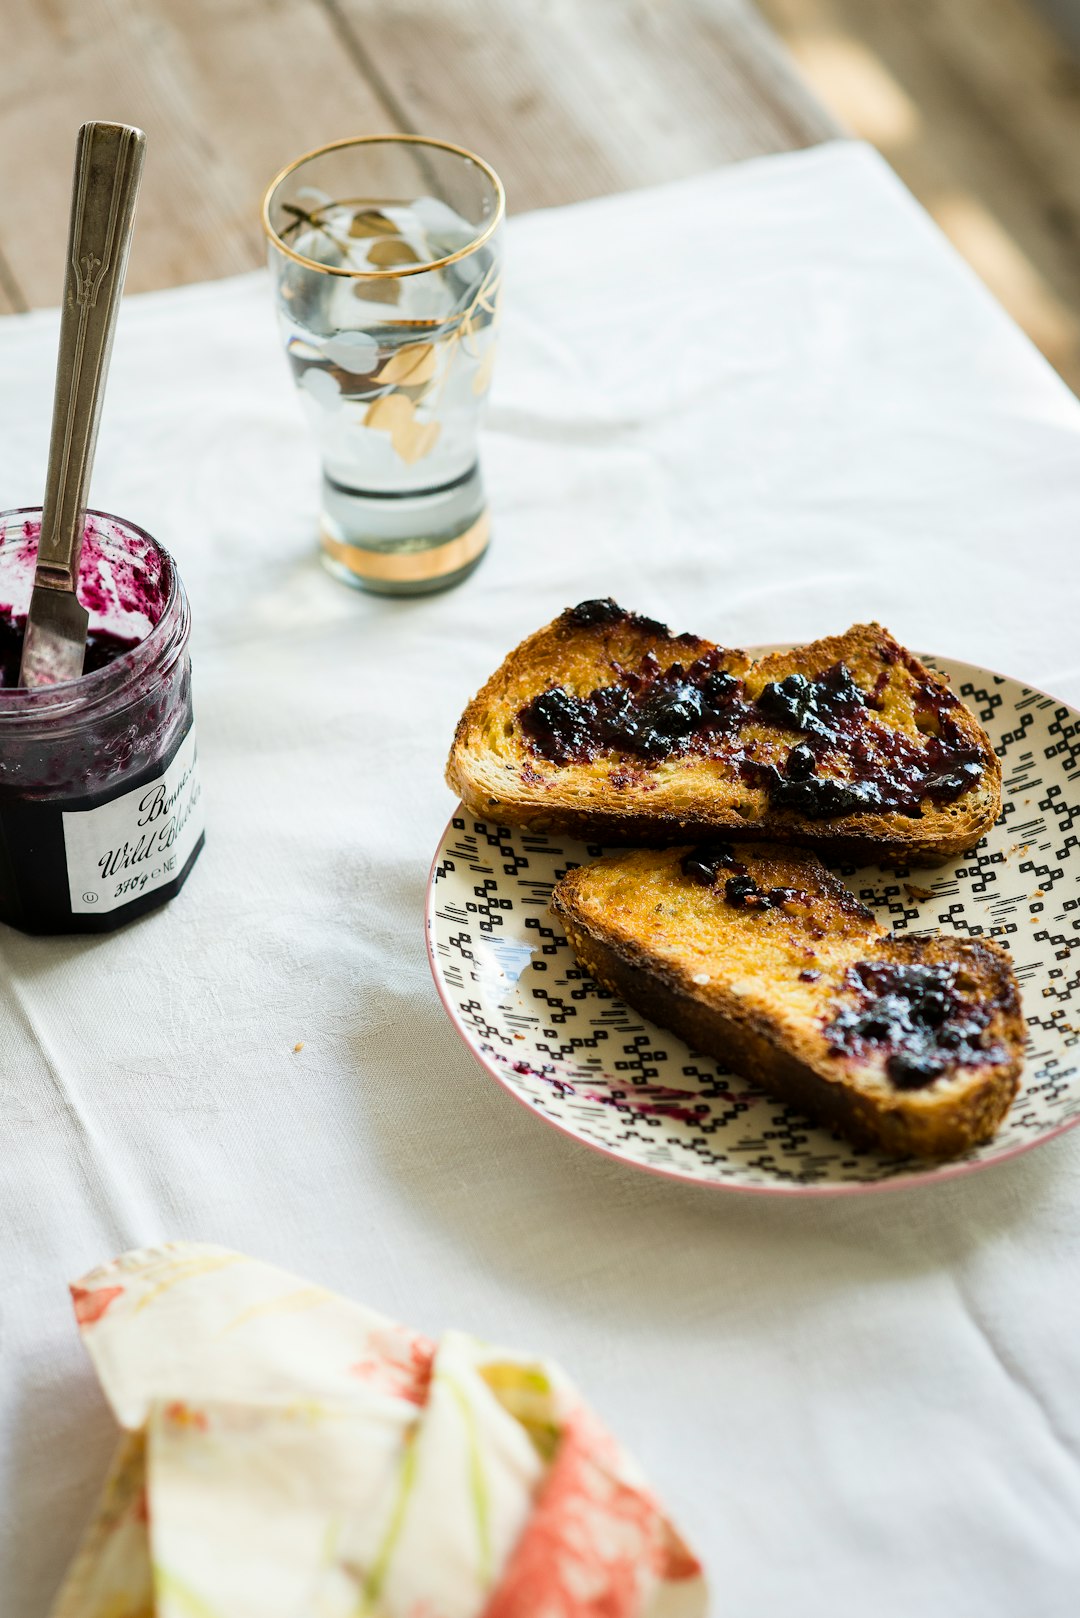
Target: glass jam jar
x,y
101,814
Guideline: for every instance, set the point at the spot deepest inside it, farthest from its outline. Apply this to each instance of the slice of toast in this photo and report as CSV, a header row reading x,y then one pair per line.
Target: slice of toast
x,y
607,727
757,955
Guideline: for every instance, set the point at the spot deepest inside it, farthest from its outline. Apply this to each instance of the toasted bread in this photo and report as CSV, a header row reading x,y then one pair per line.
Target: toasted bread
x,y
757,955
607,727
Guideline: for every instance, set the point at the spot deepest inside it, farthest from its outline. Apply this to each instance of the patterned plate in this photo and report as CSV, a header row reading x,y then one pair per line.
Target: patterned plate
x,y
584,1062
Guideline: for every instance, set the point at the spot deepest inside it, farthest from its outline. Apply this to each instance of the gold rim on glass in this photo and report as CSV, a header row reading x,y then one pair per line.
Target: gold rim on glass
x,y
395,272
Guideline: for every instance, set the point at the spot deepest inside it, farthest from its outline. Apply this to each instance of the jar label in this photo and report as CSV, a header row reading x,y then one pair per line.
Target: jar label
x,y
135,842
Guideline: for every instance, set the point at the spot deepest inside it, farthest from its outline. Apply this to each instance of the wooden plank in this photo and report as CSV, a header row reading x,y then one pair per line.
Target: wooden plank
x,y
975,103
574,98
227,91
569,99
12,301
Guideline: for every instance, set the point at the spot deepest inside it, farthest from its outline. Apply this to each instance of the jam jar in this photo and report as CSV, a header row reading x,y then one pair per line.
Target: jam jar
x,y
101,814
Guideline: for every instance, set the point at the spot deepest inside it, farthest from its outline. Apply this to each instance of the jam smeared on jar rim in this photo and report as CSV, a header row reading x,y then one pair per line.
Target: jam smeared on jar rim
x,y
917,1016
115,583
846,760
709,865
102,647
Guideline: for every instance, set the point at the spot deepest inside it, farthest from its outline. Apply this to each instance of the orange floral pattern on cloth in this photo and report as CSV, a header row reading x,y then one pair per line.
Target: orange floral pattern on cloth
x,y
180,1414
596,1544
91,1303
398,1362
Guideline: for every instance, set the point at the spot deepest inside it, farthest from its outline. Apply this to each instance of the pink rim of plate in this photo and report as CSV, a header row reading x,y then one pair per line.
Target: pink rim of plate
x,y
846,1188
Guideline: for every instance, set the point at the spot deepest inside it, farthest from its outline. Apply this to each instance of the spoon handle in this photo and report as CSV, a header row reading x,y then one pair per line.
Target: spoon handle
x,y
108,167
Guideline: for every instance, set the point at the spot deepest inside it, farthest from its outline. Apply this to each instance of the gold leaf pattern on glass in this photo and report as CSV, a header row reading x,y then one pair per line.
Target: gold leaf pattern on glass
x,y
412,365
455,350
385,252
388,291
370,222
395,414
482,379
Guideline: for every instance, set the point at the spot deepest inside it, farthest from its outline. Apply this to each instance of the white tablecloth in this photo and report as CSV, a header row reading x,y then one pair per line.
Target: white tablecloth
x,y
760,404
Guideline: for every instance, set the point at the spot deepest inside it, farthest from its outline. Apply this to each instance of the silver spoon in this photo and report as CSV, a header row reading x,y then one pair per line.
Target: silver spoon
x,y
108,167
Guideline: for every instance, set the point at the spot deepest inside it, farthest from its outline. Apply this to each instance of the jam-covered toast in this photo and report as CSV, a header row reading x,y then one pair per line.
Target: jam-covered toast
x,y
757,955
605,726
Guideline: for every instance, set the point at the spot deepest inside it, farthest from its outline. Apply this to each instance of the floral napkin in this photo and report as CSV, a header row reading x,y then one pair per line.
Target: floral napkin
x,y
289,1454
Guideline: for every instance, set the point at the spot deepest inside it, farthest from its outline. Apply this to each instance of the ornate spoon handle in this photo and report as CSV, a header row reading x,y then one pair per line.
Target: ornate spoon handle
x,y
108,167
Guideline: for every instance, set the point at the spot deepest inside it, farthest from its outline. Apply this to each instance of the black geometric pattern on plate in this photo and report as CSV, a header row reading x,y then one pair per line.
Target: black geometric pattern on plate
x,y
584,1061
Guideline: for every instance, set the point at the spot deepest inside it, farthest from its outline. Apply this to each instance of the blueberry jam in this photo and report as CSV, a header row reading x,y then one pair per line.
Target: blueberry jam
x,y
917,1016
652,712
889,770
743,893
100,804
818,707
102,647
706,866
846,759
601,611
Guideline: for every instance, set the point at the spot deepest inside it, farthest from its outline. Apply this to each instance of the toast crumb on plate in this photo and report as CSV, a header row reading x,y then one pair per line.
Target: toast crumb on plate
x,y
606,726
759,956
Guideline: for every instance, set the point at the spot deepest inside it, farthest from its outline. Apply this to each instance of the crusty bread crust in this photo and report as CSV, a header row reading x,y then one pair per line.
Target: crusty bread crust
x,y
614,799
755,1014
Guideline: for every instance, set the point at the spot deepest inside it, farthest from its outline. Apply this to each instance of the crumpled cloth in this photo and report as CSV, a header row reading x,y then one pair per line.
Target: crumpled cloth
x,y
288,1453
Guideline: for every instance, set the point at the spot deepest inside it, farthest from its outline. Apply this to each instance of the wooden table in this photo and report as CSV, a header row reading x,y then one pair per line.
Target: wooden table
x,y
567,98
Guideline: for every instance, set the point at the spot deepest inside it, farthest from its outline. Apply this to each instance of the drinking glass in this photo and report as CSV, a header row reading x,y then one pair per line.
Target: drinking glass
x,y
385,252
